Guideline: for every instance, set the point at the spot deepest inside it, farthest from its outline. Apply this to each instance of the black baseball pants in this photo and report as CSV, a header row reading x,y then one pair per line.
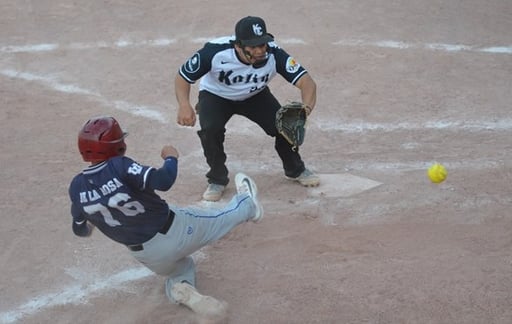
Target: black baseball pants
x,y
215,112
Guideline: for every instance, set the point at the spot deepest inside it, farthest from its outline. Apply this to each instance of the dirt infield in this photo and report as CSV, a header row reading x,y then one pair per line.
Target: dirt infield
x,y
401,84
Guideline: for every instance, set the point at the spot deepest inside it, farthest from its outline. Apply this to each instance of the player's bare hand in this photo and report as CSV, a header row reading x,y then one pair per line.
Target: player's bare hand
x,y
186,115
169,150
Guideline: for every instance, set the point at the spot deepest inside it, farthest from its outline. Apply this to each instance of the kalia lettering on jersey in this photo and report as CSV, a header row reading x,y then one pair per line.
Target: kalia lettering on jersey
x,y
225,77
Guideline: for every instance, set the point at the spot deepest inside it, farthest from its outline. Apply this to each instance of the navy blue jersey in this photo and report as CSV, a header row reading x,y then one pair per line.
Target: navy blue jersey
x,y
113,195
222,73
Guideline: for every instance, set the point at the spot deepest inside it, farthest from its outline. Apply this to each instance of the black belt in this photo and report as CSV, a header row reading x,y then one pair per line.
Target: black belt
x,y
163,230
167,224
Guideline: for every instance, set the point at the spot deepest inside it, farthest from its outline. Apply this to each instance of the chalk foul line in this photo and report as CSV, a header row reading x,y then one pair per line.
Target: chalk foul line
x,y
166,42
153,113
504,124
393,44
75,294
137,110
120,44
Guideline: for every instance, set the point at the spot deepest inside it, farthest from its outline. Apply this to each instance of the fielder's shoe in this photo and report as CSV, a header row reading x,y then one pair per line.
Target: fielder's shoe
x,y
307,179
213,192
245,184
202,305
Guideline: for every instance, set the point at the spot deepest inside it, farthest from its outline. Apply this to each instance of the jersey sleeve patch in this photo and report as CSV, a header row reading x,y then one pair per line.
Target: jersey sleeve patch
x,y
292,65
193,63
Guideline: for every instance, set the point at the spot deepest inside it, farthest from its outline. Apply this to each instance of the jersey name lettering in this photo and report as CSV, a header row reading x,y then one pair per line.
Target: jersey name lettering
x,y
110,186
91,195
224,77
106,189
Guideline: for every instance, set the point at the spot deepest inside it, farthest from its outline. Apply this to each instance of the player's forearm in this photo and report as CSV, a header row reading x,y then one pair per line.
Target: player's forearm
x,y
182,91
164,177
307,88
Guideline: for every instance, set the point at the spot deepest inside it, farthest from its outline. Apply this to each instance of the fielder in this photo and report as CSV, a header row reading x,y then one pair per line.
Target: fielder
x,y
234,74
117,195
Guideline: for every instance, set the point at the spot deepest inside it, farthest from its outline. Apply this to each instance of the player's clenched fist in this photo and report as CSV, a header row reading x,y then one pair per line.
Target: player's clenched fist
x,y
186,116
169,150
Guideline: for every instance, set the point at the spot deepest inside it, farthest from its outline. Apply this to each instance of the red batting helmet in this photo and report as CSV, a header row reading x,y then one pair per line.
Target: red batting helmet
x,y
100,139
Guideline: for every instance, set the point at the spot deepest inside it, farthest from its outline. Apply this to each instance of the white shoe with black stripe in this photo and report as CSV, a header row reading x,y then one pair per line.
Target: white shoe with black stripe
x,y
244,184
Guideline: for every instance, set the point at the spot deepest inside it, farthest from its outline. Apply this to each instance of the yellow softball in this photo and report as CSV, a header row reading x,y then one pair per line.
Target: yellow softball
x,y
437,173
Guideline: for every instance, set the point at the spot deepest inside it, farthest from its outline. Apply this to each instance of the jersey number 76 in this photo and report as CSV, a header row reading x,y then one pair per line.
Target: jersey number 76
x,y
119,201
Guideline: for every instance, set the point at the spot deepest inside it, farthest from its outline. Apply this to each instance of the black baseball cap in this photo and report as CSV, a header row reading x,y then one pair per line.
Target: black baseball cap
x,y
252,31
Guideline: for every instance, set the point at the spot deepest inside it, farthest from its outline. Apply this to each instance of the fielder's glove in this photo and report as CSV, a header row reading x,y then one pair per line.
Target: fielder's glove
x,y
291,121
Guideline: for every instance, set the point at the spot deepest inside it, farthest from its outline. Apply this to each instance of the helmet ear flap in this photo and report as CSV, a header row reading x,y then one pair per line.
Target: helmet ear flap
x,y
121,150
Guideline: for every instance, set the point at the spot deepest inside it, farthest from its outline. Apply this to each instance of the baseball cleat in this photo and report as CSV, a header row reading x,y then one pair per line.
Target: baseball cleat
x,y
244,184
205,306
213,192
307,179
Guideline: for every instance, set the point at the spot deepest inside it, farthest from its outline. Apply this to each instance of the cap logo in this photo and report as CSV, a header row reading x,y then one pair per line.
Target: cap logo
x,y
256,28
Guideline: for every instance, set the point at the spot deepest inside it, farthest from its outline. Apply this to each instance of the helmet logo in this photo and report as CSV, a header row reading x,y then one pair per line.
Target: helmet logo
x,y
256,28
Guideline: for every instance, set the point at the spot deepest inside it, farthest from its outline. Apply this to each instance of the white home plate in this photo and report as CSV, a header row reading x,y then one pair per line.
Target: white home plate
x,y
341,185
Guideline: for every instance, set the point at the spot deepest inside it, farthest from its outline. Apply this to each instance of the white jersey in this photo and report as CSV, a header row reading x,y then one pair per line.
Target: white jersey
x,y
225,75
